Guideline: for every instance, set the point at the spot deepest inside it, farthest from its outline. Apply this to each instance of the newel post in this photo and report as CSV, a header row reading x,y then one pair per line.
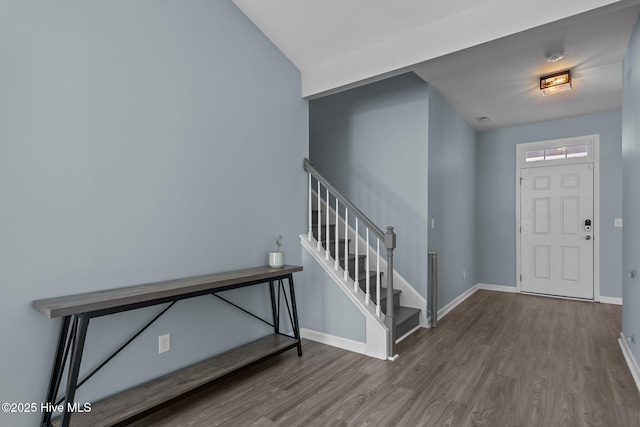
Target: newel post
x,y
390,244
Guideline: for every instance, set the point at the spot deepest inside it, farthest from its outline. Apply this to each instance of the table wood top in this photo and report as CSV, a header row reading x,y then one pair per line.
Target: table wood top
x,y
112,298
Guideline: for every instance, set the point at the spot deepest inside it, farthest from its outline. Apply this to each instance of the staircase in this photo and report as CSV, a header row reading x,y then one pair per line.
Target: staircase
x,y
354,252
406,318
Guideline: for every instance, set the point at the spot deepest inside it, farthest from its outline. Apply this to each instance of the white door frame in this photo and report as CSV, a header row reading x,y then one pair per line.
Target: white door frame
x,y
593,142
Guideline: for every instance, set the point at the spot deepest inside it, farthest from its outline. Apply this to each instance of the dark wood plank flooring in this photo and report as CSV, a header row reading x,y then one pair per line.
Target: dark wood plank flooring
x,y
496,360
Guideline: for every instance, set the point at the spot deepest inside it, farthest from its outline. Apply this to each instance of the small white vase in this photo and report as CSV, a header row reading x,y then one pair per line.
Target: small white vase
x,y
276,259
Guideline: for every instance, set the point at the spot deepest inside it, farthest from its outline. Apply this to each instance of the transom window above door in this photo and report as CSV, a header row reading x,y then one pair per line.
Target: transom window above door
x,y
557,153
579,149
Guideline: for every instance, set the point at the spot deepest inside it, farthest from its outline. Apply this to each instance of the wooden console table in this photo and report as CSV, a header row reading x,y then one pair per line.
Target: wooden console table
x,y
77,310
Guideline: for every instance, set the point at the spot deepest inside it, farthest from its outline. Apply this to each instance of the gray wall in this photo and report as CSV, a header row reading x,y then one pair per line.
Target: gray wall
x,y
452,198
631,189
496,192
139,141
371,144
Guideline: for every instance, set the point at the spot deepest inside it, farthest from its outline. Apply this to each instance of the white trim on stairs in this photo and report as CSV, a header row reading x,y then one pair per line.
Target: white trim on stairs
x,y
376,330
408,333
631,361
332,340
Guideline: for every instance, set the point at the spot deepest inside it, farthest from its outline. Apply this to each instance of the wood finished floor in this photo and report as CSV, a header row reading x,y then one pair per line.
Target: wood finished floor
x,y
497,360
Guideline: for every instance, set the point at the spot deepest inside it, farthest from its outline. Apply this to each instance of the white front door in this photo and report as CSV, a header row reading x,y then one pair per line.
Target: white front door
x,y
556,253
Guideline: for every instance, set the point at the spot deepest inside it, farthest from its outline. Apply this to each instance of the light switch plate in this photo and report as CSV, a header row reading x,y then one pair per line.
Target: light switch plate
x,y
617,222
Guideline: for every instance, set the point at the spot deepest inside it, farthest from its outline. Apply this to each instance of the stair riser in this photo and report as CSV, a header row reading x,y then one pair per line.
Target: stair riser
x,y
383,296
323,236
362,262
323,217
332,249
383,301
404,327
323,231
362,278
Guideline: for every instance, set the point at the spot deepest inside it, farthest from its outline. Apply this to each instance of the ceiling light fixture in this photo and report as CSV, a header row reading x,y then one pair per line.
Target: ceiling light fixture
x,y
555,56
554,83
483,119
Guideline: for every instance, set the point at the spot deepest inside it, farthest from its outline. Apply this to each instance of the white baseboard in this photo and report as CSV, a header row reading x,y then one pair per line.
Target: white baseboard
x,y
610,300
631,361
512,290
497,288
332,340
456,302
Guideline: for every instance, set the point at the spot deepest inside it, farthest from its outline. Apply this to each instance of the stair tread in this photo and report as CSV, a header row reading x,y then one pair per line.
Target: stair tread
x,y
383,291
332,243
362,274
333,239
352,256
383,297
403,313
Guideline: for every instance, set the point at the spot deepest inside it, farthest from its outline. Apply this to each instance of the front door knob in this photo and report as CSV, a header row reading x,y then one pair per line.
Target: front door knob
x,y
588,237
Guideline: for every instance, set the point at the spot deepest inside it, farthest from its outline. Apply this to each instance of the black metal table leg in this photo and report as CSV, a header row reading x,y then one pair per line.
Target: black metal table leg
x,y
276,314
74,368
68,355
296,325
56,370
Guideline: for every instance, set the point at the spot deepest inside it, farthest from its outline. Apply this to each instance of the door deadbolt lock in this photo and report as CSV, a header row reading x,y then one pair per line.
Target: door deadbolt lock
x,y
587,225
588,237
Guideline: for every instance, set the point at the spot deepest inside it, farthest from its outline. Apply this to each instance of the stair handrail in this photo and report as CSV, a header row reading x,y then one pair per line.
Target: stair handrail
x,y
389,239
307,166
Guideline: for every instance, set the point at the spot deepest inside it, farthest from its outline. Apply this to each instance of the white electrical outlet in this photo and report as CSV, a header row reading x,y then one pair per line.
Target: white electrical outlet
x,y
617,222
464,274
164,343
631,338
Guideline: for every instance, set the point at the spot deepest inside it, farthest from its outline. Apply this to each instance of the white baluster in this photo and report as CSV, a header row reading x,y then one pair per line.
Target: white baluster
x,y
310,235
355,265
327,253
318,217
346,240
335,240
378,279
368,287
